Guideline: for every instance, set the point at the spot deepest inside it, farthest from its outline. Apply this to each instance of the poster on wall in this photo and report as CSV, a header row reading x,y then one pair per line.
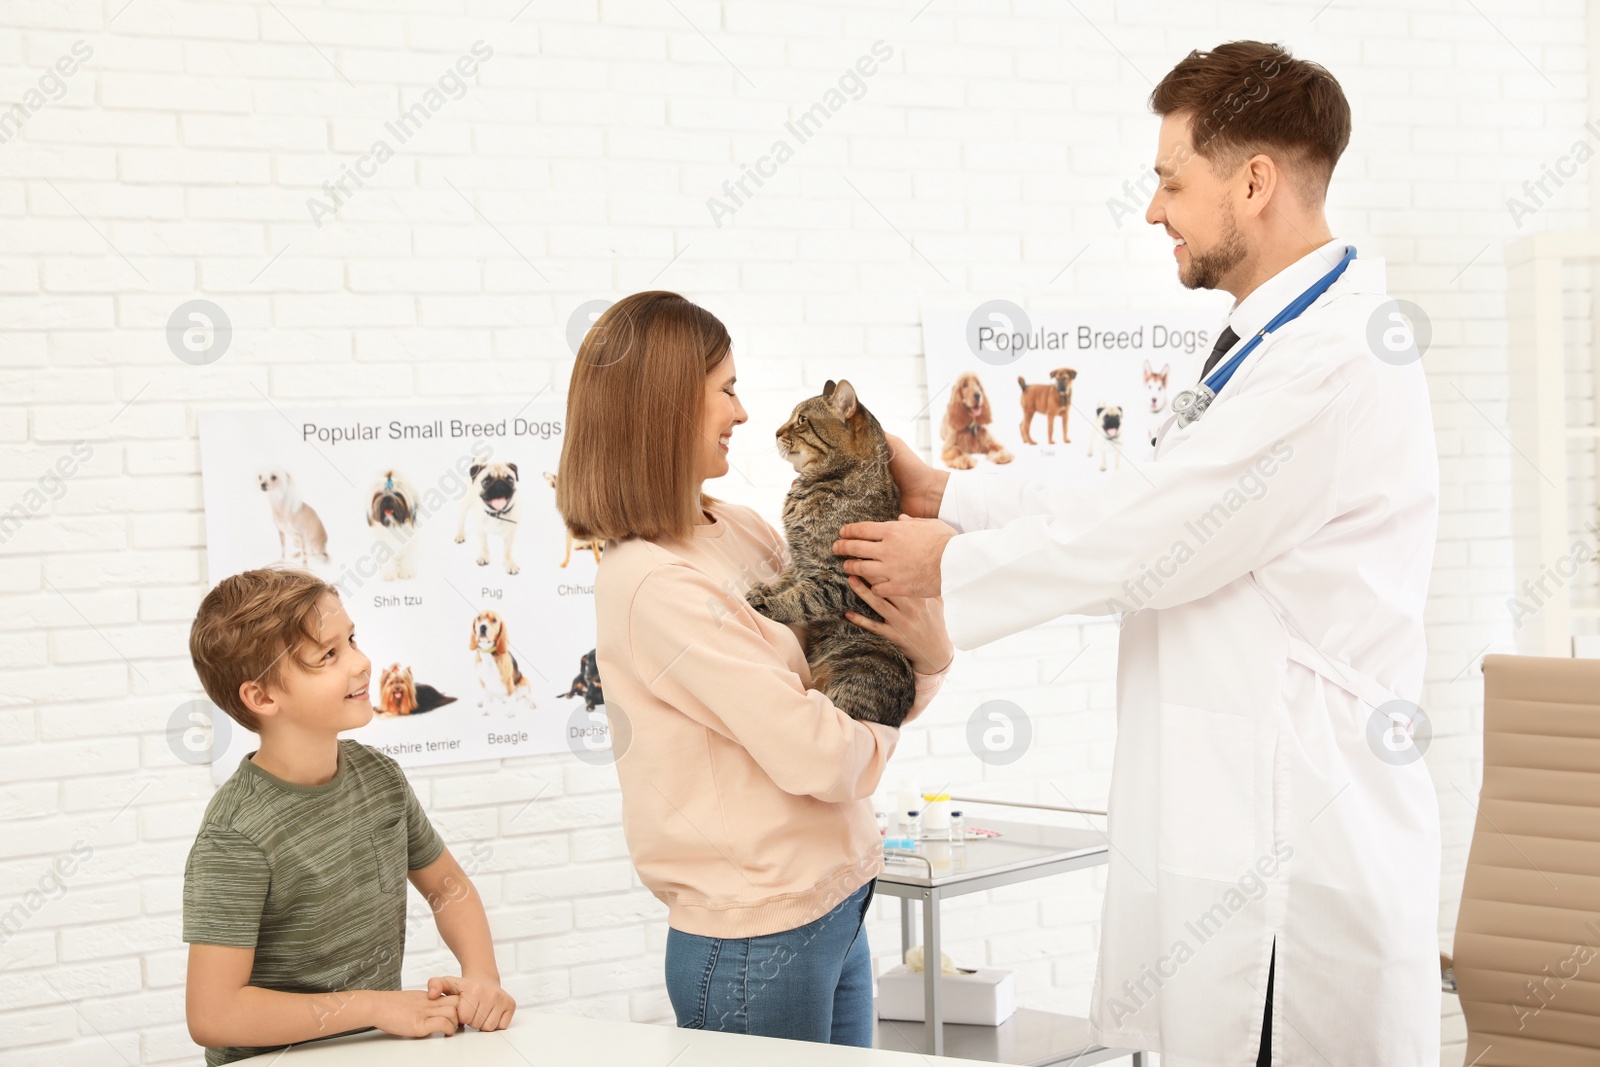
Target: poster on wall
x,y
1063,396
438,526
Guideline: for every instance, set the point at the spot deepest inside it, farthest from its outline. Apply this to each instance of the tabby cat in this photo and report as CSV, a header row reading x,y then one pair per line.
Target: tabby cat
x,y
842,457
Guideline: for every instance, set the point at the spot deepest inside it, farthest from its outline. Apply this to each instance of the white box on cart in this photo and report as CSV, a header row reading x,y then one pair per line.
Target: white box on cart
x,y
986,997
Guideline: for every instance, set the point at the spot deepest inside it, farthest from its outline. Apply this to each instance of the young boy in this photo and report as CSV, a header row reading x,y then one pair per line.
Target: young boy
x,y
294,897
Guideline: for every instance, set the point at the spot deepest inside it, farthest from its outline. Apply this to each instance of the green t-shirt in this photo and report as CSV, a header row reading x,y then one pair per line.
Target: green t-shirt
x,y
313,877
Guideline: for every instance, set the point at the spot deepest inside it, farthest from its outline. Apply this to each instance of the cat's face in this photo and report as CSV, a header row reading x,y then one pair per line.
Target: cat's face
x,y
829,430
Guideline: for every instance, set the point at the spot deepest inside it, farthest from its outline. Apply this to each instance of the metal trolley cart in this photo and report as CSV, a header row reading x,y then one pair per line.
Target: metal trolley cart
x,y
933,873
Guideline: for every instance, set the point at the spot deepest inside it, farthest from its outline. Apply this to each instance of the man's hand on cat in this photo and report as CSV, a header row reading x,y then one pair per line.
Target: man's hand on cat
x,y
896,558
914,624
921,487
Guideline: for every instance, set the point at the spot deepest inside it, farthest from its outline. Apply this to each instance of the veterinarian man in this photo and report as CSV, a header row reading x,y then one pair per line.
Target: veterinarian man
x,y
1274,868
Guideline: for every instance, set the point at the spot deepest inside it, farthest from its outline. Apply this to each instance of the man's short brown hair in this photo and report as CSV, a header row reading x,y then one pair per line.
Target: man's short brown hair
x,y
1245,97
634,409
247,626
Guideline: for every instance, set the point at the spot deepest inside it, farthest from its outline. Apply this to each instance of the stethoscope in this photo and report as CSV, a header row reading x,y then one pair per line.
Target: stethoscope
x,y
1190,404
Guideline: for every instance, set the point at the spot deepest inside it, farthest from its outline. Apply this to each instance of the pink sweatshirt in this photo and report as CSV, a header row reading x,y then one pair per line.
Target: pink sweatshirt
x,y
746,796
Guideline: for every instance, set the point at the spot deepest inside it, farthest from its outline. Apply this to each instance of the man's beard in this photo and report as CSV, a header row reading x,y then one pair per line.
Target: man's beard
x,y
1205,271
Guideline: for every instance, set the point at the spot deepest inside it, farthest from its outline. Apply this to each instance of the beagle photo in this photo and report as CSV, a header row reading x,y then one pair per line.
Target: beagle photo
x,y
500,681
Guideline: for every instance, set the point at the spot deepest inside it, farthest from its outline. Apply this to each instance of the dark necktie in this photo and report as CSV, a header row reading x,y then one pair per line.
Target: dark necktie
x,y
1225,342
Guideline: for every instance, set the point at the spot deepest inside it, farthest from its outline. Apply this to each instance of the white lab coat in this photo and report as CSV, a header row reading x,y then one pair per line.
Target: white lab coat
x,y
1246,804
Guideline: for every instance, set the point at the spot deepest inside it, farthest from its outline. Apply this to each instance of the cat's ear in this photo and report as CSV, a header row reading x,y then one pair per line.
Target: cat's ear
x,y
842,398
827,388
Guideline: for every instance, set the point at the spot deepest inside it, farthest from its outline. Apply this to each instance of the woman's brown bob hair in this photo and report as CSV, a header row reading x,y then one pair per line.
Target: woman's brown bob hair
x,y
634,409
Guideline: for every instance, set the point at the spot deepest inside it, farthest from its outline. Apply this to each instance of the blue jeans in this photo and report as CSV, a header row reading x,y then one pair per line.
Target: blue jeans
x,y
813,983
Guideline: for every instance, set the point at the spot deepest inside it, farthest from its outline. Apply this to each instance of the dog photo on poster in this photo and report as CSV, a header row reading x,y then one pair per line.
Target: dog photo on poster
x,y
438,526
1063,396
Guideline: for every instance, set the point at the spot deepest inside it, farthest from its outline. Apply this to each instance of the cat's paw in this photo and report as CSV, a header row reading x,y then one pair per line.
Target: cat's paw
x,y
756,597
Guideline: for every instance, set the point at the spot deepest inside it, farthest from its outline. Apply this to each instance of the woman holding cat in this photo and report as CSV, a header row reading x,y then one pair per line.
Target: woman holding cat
x,y
745,793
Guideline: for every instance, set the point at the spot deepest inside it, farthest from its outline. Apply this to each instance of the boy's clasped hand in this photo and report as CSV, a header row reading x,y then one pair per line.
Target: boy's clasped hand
x,y
449,1003
480,1002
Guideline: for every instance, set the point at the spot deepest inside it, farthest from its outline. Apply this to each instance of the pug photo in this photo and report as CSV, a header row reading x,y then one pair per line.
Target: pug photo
x,y
492,504
1108,421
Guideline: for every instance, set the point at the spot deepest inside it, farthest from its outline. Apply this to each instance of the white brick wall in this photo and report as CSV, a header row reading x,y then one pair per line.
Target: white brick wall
x,y
178,160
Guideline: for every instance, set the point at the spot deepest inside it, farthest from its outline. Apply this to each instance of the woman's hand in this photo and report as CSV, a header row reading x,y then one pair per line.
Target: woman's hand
x,y
914,624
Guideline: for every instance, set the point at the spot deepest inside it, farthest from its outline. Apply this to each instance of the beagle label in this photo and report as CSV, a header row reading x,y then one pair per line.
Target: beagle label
x,y
519,737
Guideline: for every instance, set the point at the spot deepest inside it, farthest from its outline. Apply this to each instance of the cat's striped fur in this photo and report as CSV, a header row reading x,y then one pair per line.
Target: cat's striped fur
x,y
842,458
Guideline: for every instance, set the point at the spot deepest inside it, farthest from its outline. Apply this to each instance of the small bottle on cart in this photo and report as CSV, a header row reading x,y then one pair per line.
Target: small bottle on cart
x,y
914,824
958,828
883,822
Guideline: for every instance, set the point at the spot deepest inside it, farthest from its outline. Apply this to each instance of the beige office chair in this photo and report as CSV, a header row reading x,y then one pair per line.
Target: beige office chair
x,y
1527,946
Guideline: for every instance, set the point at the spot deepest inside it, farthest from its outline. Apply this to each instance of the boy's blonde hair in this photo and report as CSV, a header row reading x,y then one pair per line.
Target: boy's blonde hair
x,y
247,626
